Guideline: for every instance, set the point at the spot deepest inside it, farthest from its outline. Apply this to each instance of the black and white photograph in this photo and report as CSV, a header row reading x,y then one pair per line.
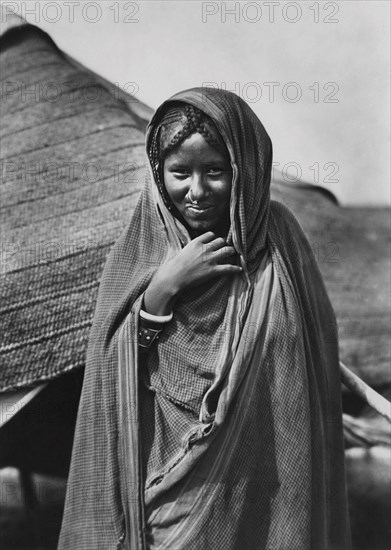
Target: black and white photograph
x,y
195,276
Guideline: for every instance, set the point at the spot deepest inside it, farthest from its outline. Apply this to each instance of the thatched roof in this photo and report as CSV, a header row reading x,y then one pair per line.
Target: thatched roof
x,y
72,155
352,249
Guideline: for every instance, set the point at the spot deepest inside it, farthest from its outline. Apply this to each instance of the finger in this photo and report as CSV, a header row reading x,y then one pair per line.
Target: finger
x,y
205,237
223,254
217,243
227,269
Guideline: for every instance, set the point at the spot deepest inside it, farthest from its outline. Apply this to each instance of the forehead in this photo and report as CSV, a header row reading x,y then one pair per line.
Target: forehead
x,y
195,147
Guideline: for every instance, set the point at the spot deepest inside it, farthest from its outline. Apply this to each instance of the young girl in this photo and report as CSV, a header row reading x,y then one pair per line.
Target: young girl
x,y
210,416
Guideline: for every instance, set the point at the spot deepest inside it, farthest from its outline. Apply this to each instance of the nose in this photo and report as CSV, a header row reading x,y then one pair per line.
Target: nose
x,y
197,189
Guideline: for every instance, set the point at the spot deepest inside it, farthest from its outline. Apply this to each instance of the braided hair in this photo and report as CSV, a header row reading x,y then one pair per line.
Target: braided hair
x,y
179,122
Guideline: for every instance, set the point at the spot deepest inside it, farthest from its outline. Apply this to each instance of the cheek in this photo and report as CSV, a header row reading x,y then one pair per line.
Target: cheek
x,y
173,187
226,190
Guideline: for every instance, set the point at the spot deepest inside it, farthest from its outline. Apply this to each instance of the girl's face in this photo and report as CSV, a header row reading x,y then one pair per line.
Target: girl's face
x,y
198,180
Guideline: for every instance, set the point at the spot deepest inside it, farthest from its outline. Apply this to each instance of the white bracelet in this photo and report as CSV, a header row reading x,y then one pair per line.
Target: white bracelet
x,y
155,318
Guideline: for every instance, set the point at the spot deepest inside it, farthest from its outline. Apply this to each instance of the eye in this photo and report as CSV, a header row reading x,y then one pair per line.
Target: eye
x,y
180,172
216,170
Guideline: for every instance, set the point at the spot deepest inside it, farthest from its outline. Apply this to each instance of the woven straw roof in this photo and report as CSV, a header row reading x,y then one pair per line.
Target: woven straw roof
x,y
352,249
72,153
73,162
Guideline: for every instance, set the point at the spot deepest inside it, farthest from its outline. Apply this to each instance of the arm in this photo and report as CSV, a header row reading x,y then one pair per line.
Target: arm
x,y
203,258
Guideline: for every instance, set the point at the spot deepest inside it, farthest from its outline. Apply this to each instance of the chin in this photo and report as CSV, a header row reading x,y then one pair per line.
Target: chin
x,y
203,226
200,229
200,226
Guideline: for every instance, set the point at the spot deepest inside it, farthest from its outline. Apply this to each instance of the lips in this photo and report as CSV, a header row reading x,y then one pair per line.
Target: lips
x,y
198,208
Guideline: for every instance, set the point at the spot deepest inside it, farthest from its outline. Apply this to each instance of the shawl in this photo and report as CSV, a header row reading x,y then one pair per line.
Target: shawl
x,y
230,431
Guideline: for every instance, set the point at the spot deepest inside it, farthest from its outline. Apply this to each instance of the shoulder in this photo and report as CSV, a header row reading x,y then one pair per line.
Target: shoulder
x,y
282,215
285,227
288,238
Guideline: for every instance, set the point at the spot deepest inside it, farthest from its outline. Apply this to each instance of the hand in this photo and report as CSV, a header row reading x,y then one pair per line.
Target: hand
x,y
204,258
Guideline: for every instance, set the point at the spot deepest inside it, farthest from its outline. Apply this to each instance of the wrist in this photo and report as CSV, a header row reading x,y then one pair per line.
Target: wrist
x,y
159,298
165,280
155,321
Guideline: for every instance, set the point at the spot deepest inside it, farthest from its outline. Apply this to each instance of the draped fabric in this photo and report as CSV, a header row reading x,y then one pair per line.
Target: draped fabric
x,y
229,432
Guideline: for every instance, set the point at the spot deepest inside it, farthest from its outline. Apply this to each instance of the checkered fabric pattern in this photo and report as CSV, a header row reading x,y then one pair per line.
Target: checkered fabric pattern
x,y
267,469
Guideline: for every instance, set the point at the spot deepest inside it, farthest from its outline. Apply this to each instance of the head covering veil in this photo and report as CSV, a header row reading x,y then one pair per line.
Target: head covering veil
x,y
229,432
250,151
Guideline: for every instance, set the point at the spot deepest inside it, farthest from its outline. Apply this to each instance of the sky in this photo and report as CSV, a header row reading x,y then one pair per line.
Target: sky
x,y
315,73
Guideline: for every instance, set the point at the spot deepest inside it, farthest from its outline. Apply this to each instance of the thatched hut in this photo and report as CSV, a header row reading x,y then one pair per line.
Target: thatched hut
x,y
72,164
